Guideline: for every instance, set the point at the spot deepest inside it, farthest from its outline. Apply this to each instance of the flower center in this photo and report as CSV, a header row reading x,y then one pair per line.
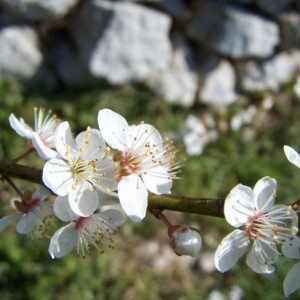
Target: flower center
x,y
127,163
82,169
253,226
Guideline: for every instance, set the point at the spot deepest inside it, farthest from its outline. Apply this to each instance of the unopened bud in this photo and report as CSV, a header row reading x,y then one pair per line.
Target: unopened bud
x,y
185,241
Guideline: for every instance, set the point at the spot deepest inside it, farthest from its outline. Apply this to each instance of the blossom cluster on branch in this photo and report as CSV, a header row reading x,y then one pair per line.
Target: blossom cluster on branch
x,y
95,180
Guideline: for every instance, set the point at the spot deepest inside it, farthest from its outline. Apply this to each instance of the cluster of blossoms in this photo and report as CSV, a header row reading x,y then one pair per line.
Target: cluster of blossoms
x,y
87,178
101,175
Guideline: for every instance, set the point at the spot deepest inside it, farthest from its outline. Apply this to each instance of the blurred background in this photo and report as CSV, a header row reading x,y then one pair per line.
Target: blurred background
x,y
218,77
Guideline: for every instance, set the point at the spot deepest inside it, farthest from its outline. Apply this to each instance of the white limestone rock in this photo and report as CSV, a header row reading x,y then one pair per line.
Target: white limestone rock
x,y
270,75
234,32
218,83
39,10
122,42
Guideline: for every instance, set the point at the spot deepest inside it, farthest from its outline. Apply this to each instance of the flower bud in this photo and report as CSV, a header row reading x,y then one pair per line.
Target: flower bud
x,y
185,241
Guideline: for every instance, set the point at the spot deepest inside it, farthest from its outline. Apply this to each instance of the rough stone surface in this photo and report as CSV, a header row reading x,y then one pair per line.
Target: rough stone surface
x,y
122,42
20,56
269,75
73,75
233,32
178,84
290,24
218,84
39,10
273,7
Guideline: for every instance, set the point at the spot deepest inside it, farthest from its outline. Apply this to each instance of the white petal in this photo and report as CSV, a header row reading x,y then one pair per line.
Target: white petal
x,y
133,197
64,141
114,217
143,134
265,192
41,148
7,220
291,282
262,257
93,144
63,241
57,176
291,249
62,209
20,127
42,193
107,180
26,223
114,128
292,155
239,205
157,180
84,200
231,249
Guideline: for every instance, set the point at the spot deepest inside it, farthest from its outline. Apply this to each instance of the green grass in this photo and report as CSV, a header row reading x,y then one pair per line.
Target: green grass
x,y
27,271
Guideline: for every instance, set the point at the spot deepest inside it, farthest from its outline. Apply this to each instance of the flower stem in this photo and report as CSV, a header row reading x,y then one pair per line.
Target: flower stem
x,y
201,206
12,184
27,152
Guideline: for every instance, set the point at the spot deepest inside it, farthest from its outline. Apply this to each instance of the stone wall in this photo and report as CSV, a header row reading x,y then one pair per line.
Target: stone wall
x,y
205,51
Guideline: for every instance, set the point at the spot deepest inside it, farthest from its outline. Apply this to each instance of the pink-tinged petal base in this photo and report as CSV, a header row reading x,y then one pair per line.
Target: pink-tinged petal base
x,y
63,241
133,197
42,150
291,282
231,249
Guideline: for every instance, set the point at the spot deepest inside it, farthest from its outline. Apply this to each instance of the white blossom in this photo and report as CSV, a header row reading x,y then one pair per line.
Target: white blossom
x,y
265,224
41,137
143,161
82,170
291,249
33,214
95,230
292,155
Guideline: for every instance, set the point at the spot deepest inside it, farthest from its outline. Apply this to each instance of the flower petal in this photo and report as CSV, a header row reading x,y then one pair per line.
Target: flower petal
x,y
63,241
26,223
20,127
265,192
291,248
292,155
62,209
104,178
41,194
143,134
41,148
92,144
114,129
291,282
231,249
84,200
133,197
262,257
157,180
239,205
64,141
114,217
7,220
57,176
